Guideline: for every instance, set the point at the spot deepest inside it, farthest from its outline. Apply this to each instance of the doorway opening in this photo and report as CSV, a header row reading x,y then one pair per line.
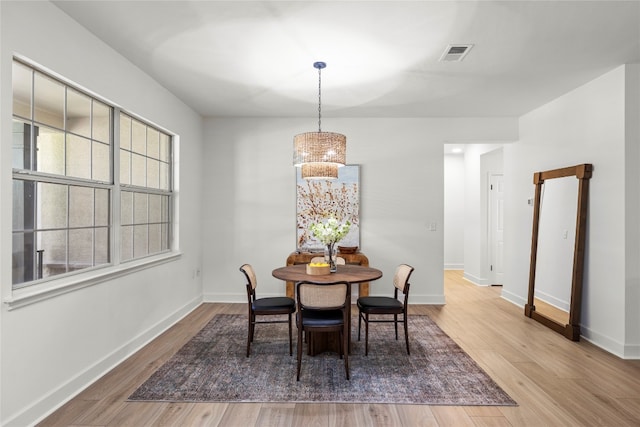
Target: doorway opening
x,y
474,211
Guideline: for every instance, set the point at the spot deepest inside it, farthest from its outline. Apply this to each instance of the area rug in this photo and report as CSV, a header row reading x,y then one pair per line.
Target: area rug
x,y
213,367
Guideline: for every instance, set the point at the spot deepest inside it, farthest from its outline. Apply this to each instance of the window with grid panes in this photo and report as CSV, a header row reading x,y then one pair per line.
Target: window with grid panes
x,y
145,189
63,184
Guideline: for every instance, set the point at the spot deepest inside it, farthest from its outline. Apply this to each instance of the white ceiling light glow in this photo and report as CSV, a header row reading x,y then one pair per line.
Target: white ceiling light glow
x,y
249,58
293,35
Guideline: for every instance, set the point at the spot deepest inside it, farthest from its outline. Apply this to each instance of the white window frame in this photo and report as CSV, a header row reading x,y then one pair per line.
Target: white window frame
x,y
42,289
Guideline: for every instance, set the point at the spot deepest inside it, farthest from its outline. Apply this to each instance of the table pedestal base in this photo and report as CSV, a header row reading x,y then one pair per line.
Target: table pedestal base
x,y
321,342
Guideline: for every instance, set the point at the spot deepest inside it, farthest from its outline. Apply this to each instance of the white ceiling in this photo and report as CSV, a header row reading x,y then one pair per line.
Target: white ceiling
x,y
244,58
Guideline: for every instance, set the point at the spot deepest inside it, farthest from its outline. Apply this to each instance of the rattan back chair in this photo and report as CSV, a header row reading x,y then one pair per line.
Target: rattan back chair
x,y
323,308
382,307
268,308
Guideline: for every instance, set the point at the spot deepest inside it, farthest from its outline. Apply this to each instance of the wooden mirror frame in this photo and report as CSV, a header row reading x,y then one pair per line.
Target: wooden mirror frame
x,y
583,174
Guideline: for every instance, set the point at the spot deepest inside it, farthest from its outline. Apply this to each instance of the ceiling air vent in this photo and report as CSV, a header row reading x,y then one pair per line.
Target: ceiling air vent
x,y
455,52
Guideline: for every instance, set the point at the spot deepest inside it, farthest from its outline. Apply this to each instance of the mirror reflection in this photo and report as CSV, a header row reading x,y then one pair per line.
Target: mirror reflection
x,y
556,238
557,248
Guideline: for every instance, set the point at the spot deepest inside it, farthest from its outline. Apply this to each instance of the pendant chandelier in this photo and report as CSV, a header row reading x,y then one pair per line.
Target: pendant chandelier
x,y
319,154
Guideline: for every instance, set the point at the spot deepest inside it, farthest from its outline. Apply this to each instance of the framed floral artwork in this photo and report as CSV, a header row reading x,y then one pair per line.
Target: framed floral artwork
x,y
319,200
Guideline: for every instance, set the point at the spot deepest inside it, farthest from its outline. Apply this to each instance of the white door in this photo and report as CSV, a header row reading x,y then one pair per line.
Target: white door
x,y
496,228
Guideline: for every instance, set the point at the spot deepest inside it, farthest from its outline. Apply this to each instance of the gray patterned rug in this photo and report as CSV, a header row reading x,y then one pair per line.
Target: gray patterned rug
x,y
212,367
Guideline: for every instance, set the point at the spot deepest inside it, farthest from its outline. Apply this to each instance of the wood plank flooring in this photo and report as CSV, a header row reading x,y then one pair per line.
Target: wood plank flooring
x,y
556,382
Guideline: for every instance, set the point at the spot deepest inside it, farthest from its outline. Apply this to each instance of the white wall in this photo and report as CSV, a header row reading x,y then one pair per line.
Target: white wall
x,y
586,125
51,349
632,211
475,200
454,174
250,198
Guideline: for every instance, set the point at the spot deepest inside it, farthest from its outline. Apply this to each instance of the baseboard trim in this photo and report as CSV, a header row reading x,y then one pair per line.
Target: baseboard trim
x,y
550,299
476,280
513,298
55,399
623,351
231,298
454,266
427,299
632,351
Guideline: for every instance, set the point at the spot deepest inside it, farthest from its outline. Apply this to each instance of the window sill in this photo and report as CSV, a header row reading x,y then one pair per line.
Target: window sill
x,y
50,289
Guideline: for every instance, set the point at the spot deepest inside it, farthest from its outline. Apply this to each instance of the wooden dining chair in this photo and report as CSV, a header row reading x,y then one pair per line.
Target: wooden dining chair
x,y
323,308
268,306
382,307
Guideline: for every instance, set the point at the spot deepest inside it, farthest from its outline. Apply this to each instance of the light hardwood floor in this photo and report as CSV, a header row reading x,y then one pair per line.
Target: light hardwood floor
x,y
556,382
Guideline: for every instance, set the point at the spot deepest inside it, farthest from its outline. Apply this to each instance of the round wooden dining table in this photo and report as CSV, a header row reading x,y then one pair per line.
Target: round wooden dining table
x,y
345,273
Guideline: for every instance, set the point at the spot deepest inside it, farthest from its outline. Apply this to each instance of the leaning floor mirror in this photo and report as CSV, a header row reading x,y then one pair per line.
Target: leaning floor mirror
x,y
558,248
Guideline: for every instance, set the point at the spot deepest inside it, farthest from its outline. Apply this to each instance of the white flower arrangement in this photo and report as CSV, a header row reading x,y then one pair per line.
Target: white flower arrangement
x,y
331,231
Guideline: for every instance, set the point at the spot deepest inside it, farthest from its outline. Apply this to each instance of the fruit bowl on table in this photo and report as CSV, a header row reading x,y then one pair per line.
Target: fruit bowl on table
x,y
317,268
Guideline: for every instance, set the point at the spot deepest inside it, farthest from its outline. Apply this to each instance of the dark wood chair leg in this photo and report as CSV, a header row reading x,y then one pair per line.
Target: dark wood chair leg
x,y
249,335
252,324
345,350
395,324
248,343
299,352
366,335
406,332
290,337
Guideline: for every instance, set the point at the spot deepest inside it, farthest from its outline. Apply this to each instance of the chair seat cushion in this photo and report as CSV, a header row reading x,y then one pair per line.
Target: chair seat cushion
x,y
383,303
322,318
274,303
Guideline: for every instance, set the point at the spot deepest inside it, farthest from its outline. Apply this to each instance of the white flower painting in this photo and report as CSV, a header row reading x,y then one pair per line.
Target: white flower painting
x,y
318,200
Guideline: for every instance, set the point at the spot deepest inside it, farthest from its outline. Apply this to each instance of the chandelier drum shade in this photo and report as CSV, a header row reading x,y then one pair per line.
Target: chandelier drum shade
x,y
320,147
319,154
319,171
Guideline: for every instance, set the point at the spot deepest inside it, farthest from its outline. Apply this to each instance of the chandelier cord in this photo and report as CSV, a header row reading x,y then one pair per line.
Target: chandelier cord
x,y
319,99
